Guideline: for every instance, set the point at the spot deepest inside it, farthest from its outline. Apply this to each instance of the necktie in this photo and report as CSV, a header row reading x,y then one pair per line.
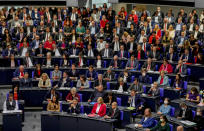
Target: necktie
x,y
148,67
113,113
132,62
89,53
27,61
180,69
79,62
165,27
139,55
115,64
144,48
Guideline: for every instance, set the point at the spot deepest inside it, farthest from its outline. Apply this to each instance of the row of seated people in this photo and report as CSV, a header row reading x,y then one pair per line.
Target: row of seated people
x,y
65,79
103,101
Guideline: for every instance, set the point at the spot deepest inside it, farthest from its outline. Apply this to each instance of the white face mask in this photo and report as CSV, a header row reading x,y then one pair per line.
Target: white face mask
x,y
161,120
198,113
165,102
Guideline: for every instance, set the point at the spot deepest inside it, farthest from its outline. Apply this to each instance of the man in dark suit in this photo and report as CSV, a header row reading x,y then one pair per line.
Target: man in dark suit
x,y
52,92
149,65
64,81
80,61
145,45
131,46
187,57
132,63
144,78
109,75
185,113
91,73
137,86
74,107
136,101
122,53
28,61
40,51
154,54
90,52
99,92
26,82
73,73
107,52
181,68
100,81
115,63
114,113
171,55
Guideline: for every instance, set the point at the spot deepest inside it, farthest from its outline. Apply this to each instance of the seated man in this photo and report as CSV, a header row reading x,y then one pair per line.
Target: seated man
x,y
132,63
181,68
154,90
91,73
185,113
136,86
10,104
56,74
52,92
100,81
147,120
99,92
126,76
26,81
144,78
136,101
149,65
74,107
19,72
64,81
121,85
114,113
198,119
115,63
109,75
73,72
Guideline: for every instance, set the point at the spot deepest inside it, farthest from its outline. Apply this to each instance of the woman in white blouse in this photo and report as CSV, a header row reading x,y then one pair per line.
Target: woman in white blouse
x,y
98,62
171,31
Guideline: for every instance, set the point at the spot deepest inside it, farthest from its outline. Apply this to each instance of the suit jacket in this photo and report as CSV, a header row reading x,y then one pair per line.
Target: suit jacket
x,y
48,95
128,77
77,60
157,56
66,84
102,110
125,88
144,79
6,52
169,68
96,83
25,62
135,64
17,72
190,58
9,63
116,114
111,75
142,54
174,57
154,93
74,110
37,51
165,81
33,44
188,114
102,63
71,51
71,74
125,54
27,83
110,53
134,46
148,123
179,40
139,101
113,64
89,74
28,50
183,70
45,62
152,66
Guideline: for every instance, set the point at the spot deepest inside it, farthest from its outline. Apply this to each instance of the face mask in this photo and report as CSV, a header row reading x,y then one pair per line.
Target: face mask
x,y
198,113
183,108
165,102
161,120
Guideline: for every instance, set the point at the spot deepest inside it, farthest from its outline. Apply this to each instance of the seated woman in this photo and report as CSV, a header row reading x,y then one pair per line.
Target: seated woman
x,y
82,83
199,120
37,72
163,80
65,62
178,82
15,92
110,98
166,67
193,95
53,105
12,62
74,107
121,85
44,81
98,62
48,62
165,108
99,108
162,125
73,94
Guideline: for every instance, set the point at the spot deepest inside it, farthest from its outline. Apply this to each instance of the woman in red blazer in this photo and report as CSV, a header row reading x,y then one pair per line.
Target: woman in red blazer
x,y
99,108
166,67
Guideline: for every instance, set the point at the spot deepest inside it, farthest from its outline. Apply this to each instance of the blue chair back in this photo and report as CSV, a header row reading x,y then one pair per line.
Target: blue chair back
x,y
161,92
155,123
60,106
82,109
185,85
50,74
105,63
80,95
121,115
32,74
171,127
90,86
132,78
193,113
169,81
150,79
188,71
144,88
119,101
108,85
156,67
172,111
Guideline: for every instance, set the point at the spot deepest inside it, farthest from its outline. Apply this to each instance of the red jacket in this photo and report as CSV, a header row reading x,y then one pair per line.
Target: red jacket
x,y
151,37
169,68
135,18
103,23
69,97
49,45
102,110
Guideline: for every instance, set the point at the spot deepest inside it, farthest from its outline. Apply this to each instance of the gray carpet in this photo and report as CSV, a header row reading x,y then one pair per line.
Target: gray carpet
x,y
32,121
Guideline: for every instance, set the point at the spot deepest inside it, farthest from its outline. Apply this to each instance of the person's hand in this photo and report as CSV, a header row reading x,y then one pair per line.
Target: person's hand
x,y
140,108
89,100
81,88
159,113
139,125
147,130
